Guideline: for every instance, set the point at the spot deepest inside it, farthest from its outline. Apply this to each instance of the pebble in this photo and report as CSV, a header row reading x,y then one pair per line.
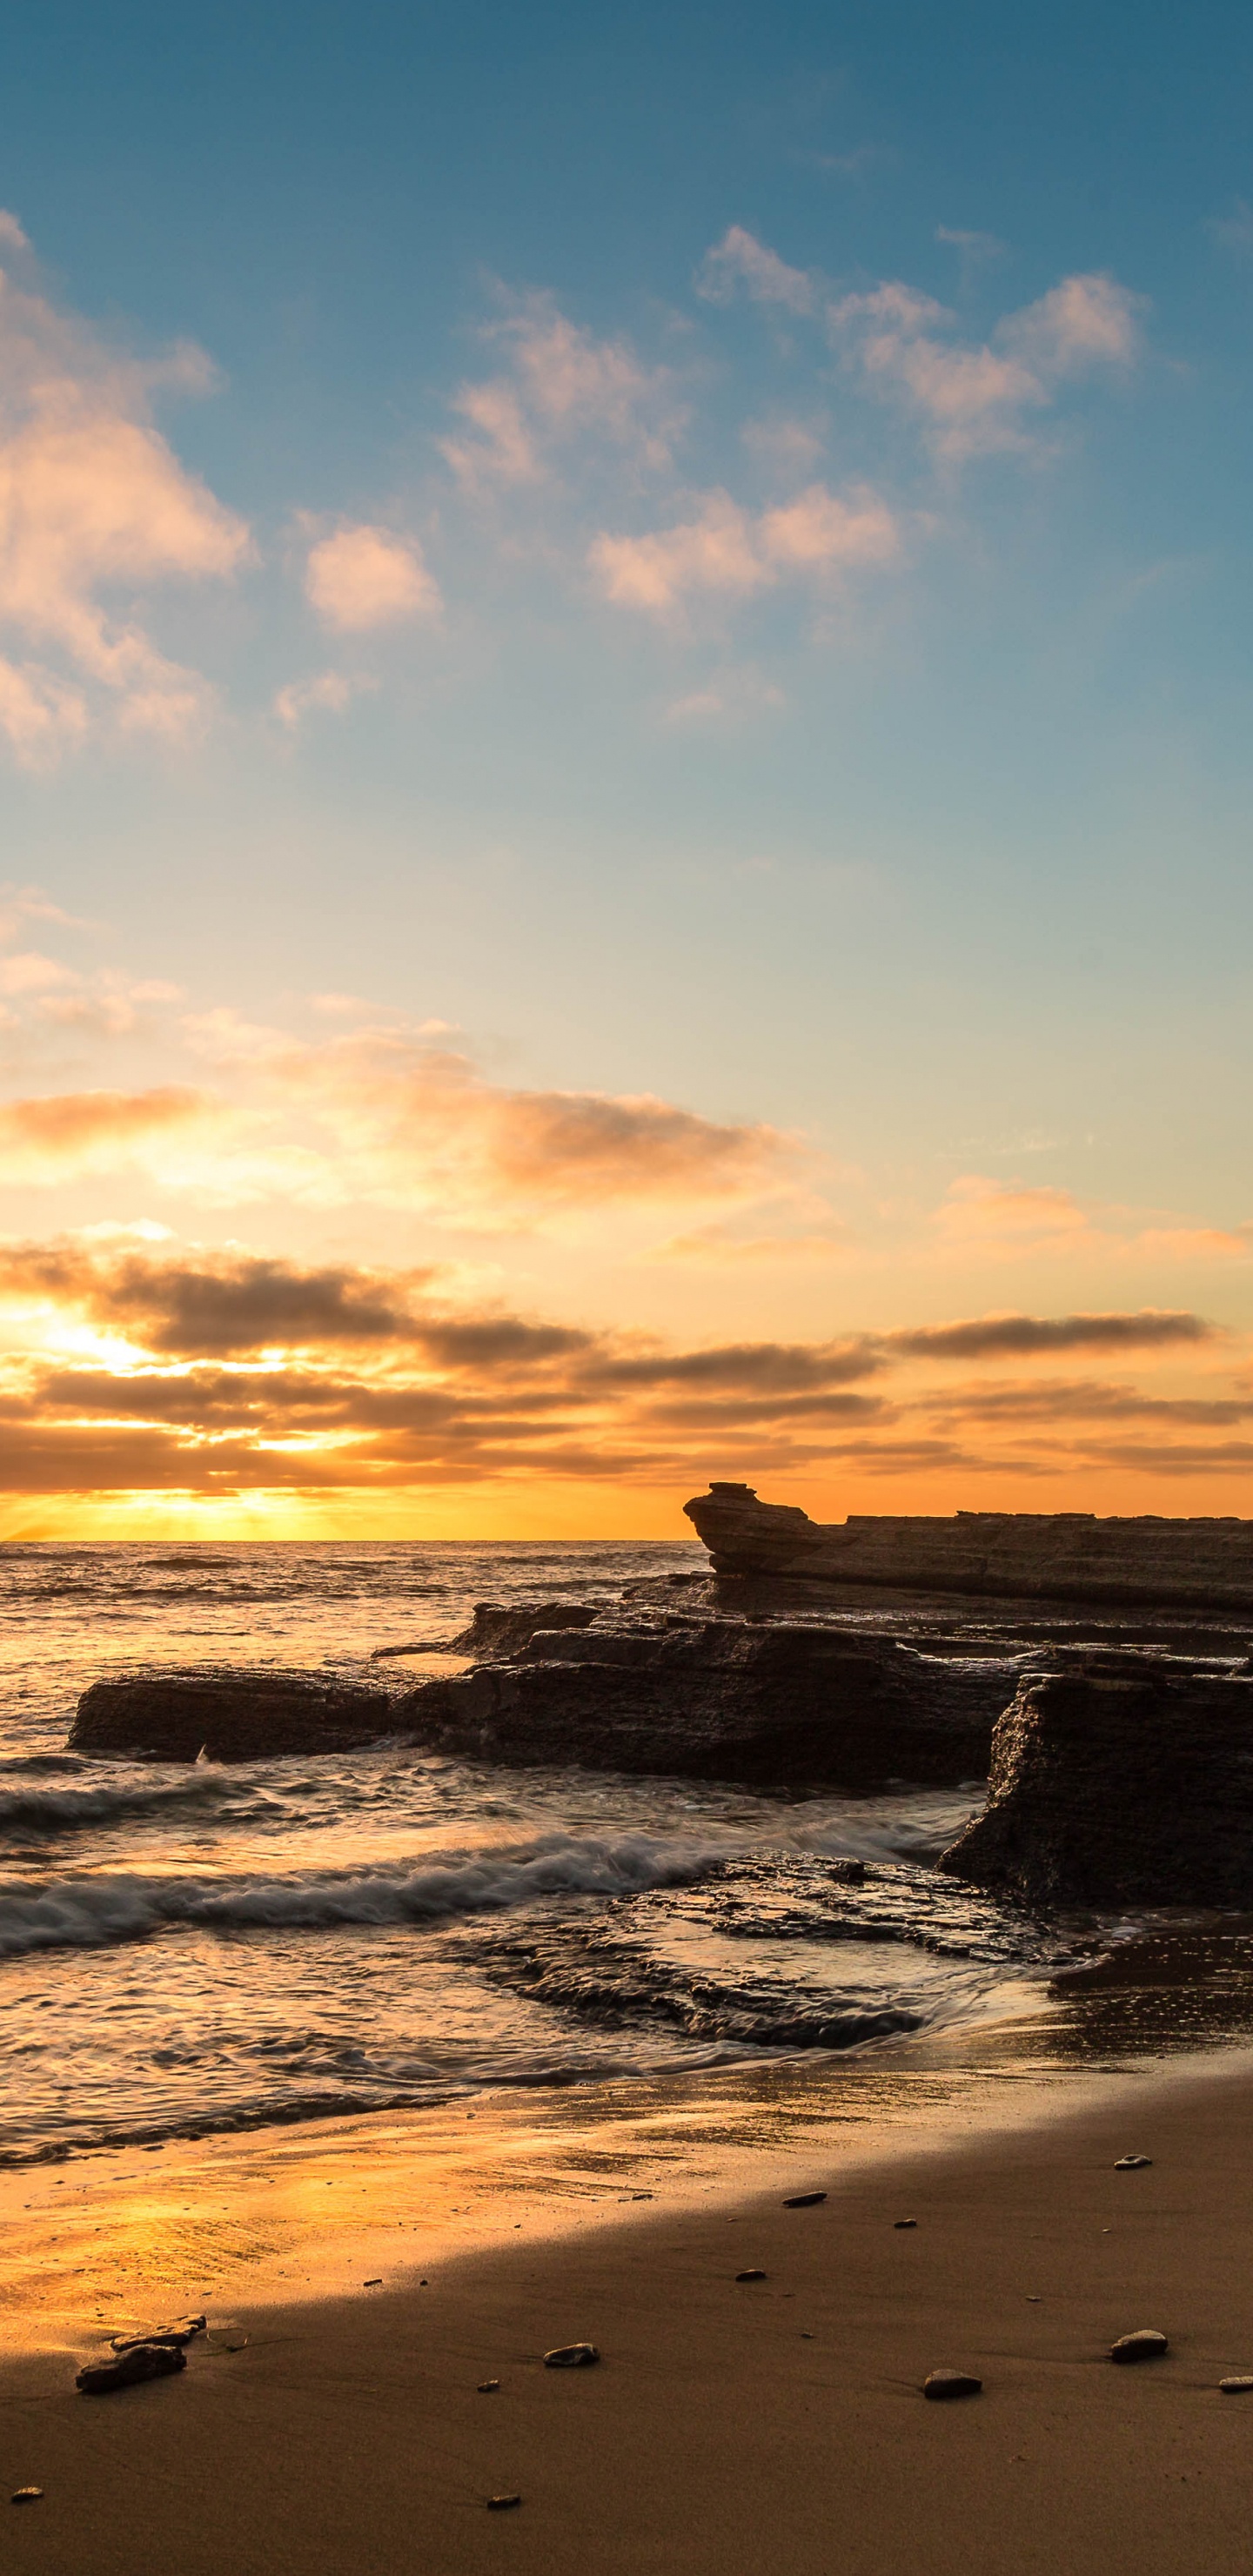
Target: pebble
x,y
1235,2387
750,2276
1144,2345
143,2361
904,2222
486,2386
804,2200
571,2356
1131,2164
951,2383
171,2337
501,2504
26,2495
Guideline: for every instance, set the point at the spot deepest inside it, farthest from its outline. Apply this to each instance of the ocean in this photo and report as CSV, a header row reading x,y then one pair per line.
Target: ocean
x,y
189,1950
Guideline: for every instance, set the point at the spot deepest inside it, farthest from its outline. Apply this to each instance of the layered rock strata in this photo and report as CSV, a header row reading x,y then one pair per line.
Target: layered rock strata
x,y
1024,1556
777,1704
1119,1779
228,1714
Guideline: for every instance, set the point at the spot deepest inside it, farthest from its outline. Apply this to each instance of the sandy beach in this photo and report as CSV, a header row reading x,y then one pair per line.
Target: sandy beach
x,y
768,2424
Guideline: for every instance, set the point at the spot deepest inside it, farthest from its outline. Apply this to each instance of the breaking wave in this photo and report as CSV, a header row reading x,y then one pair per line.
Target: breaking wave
x,y
89,1913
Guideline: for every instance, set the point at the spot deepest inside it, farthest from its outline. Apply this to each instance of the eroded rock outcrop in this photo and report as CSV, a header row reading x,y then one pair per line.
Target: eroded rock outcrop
x,y
1026,1556
230,1714
1119,1779
778,1704
496,1630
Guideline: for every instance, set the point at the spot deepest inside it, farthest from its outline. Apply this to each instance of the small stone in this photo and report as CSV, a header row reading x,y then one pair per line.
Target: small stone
x,y
750,2276
951,2383
143,2361
804,2200
904,2222
571,2356
486,2386
26,2495
1144,2345
171,2337
1130,2164
501,2504
1237,2387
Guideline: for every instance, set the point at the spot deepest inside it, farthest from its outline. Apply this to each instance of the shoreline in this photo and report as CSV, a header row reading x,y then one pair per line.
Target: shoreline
x,y
770,2424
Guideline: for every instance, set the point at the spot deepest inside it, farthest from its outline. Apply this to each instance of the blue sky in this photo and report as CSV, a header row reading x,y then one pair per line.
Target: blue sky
x,y
699,557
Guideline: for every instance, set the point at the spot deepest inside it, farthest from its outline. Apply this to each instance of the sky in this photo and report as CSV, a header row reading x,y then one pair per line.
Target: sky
x,y
624,765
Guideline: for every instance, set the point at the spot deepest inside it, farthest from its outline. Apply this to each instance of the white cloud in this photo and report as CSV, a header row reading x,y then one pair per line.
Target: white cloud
x,y
364,576
740,260
329,693
563,384
732,552
975,399
94,505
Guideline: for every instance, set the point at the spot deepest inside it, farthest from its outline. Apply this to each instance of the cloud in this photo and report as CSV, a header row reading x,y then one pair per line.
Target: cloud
x,y
976,400
786,448
44,1141
328,694
94,508
563,385
363,577
213,1303
728,552
731,697
156,1367
995,1336
740,260
1234,230
418,1124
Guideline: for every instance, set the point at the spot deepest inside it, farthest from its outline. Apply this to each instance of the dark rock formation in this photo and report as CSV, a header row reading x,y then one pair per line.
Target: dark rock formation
x,y
495,1630
1025,1556
142,2361
776,1704
1119,1780
231,1715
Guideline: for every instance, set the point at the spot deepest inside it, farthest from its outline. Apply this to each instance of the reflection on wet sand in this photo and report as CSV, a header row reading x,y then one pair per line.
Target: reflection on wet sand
x,y
97,2243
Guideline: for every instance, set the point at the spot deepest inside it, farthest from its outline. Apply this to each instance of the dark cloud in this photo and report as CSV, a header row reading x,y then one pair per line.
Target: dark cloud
x,y
781,1366
999,1336
1058,1400
380,1387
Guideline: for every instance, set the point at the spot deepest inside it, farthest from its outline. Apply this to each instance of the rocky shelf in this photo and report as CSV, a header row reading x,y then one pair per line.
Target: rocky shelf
x,y
1119,1779
1021,1556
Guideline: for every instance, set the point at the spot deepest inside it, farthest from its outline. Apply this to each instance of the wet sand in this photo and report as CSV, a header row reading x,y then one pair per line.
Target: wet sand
x,y
768,2425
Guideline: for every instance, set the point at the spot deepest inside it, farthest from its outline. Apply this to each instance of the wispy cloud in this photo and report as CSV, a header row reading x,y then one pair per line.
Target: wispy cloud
x,y
173,1367
327,693
1234,230
362,577
561,384
94,508
741,260
728,552
977,399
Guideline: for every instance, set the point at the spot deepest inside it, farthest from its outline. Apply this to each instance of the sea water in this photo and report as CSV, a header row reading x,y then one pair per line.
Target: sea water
x,y
193,1948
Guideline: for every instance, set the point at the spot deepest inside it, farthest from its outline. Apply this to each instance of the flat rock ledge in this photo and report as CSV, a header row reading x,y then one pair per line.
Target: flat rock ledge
x,y
1119,1779
229,1714
1020,1556
770,1703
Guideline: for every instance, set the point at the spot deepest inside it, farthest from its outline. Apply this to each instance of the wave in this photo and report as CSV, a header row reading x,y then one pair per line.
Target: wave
x,y
56,1811
91,1913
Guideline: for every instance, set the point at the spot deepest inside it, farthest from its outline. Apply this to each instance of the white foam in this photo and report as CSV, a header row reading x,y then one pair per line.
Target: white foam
x,y
87,1913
